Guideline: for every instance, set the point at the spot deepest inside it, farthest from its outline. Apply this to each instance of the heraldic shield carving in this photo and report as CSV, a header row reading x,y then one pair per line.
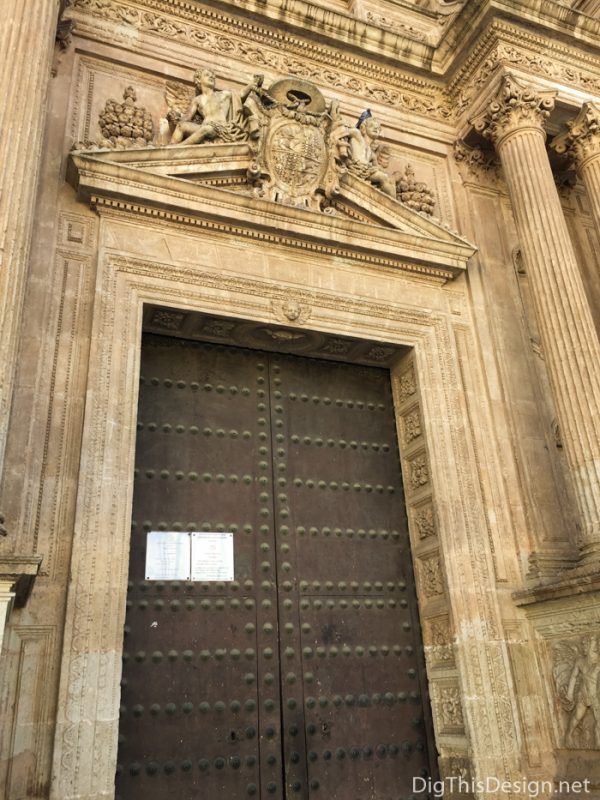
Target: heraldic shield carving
x,y
298,143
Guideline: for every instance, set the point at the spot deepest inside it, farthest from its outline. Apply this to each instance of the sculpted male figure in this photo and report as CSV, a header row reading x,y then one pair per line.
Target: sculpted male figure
x,y
362,160
213,114
583,692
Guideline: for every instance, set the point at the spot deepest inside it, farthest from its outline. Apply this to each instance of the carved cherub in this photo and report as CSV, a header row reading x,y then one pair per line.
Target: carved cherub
x,y
577,673
212,114
363,156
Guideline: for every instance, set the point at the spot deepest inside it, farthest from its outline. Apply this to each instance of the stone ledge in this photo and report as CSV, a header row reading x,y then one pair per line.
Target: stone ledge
x,y
21,571
570,584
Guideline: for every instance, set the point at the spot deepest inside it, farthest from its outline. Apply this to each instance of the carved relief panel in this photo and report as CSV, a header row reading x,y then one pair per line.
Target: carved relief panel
x,y
431,583
576,673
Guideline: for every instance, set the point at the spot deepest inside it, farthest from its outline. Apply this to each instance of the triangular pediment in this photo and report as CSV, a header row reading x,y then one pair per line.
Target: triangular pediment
x,y
209,183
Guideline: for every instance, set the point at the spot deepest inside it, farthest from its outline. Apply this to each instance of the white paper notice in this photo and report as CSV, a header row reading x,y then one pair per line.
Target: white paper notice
x,y
168,556
212,556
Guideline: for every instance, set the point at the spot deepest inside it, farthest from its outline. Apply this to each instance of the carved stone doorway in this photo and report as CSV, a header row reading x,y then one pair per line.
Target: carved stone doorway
x,y
303,677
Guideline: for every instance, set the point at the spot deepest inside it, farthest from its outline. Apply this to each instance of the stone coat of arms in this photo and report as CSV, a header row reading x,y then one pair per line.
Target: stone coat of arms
x,y
297,143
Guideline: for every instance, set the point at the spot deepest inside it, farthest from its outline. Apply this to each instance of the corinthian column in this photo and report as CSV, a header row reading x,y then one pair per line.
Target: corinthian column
x,y
27,34
514,121
582,143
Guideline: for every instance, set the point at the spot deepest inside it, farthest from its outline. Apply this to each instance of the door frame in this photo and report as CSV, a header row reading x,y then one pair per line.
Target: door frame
x,y
452,545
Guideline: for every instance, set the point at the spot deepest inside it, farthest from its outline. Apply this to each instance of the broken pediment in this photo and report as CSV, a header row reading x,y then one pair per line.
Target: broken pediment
x,y
278,160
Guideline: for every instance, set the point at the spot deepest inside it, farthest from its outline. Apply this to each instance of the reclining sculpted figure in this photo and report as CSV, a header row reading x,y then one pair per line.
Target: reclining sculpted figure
x,y
213,114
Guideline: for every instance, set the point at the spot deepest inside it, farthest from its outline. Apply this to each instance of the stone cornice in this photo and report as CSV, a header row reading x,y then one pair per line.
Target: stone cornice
x,y
109,206
261,46
362,35
332,27
548,18
259,42
304,16
402,238
20,571
510,46
505,49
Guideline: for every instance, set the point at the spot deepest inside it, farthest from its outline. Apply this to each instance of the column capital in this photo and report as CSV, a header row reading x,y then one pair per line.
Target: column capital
x,y
581,141
515,106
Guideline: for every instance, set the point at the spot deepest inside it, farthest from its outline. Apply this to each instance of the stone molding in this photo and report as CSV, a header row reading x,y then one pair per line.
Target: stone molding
x,y
20,572
404,239
507,46
435,613
258,45
86,741
305,15
503,43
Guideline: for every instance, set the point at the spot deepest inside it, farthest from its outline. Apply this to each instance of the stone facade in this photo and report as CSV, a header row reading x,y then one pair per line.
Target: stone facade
x,y
220,159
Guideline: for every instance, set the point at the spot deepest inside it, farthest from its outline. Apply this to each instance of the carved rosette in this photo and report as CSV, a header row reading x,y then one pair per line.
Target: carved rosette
x,y
581,141
515,107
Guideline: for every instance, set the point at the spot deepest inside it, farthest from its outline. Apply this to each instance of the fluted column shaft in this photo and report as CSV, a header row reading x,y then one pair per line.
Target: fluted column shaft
x,y
590,175
27,35
514,121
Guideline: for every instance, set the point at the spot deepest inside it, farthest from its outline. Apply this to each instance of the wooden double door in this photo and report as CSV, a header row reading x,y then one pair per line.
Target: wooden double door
x,y
303,677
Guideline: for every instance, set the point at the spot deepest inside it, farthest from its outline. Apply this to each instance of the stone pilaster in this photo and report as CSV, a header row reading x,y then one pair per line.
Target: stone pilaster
x,y
514,120
581,143
26,47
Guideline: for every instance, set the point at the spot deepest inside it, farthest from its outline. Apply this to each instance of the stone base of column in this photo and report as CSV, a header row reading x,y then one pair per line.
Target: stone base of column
x,y
570,584
548,564
588,564
589,552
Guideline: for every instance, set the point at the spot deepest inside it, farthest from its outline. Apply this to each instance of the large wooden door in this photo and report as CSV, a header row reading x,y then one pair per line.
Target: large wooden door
x,y
302,678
